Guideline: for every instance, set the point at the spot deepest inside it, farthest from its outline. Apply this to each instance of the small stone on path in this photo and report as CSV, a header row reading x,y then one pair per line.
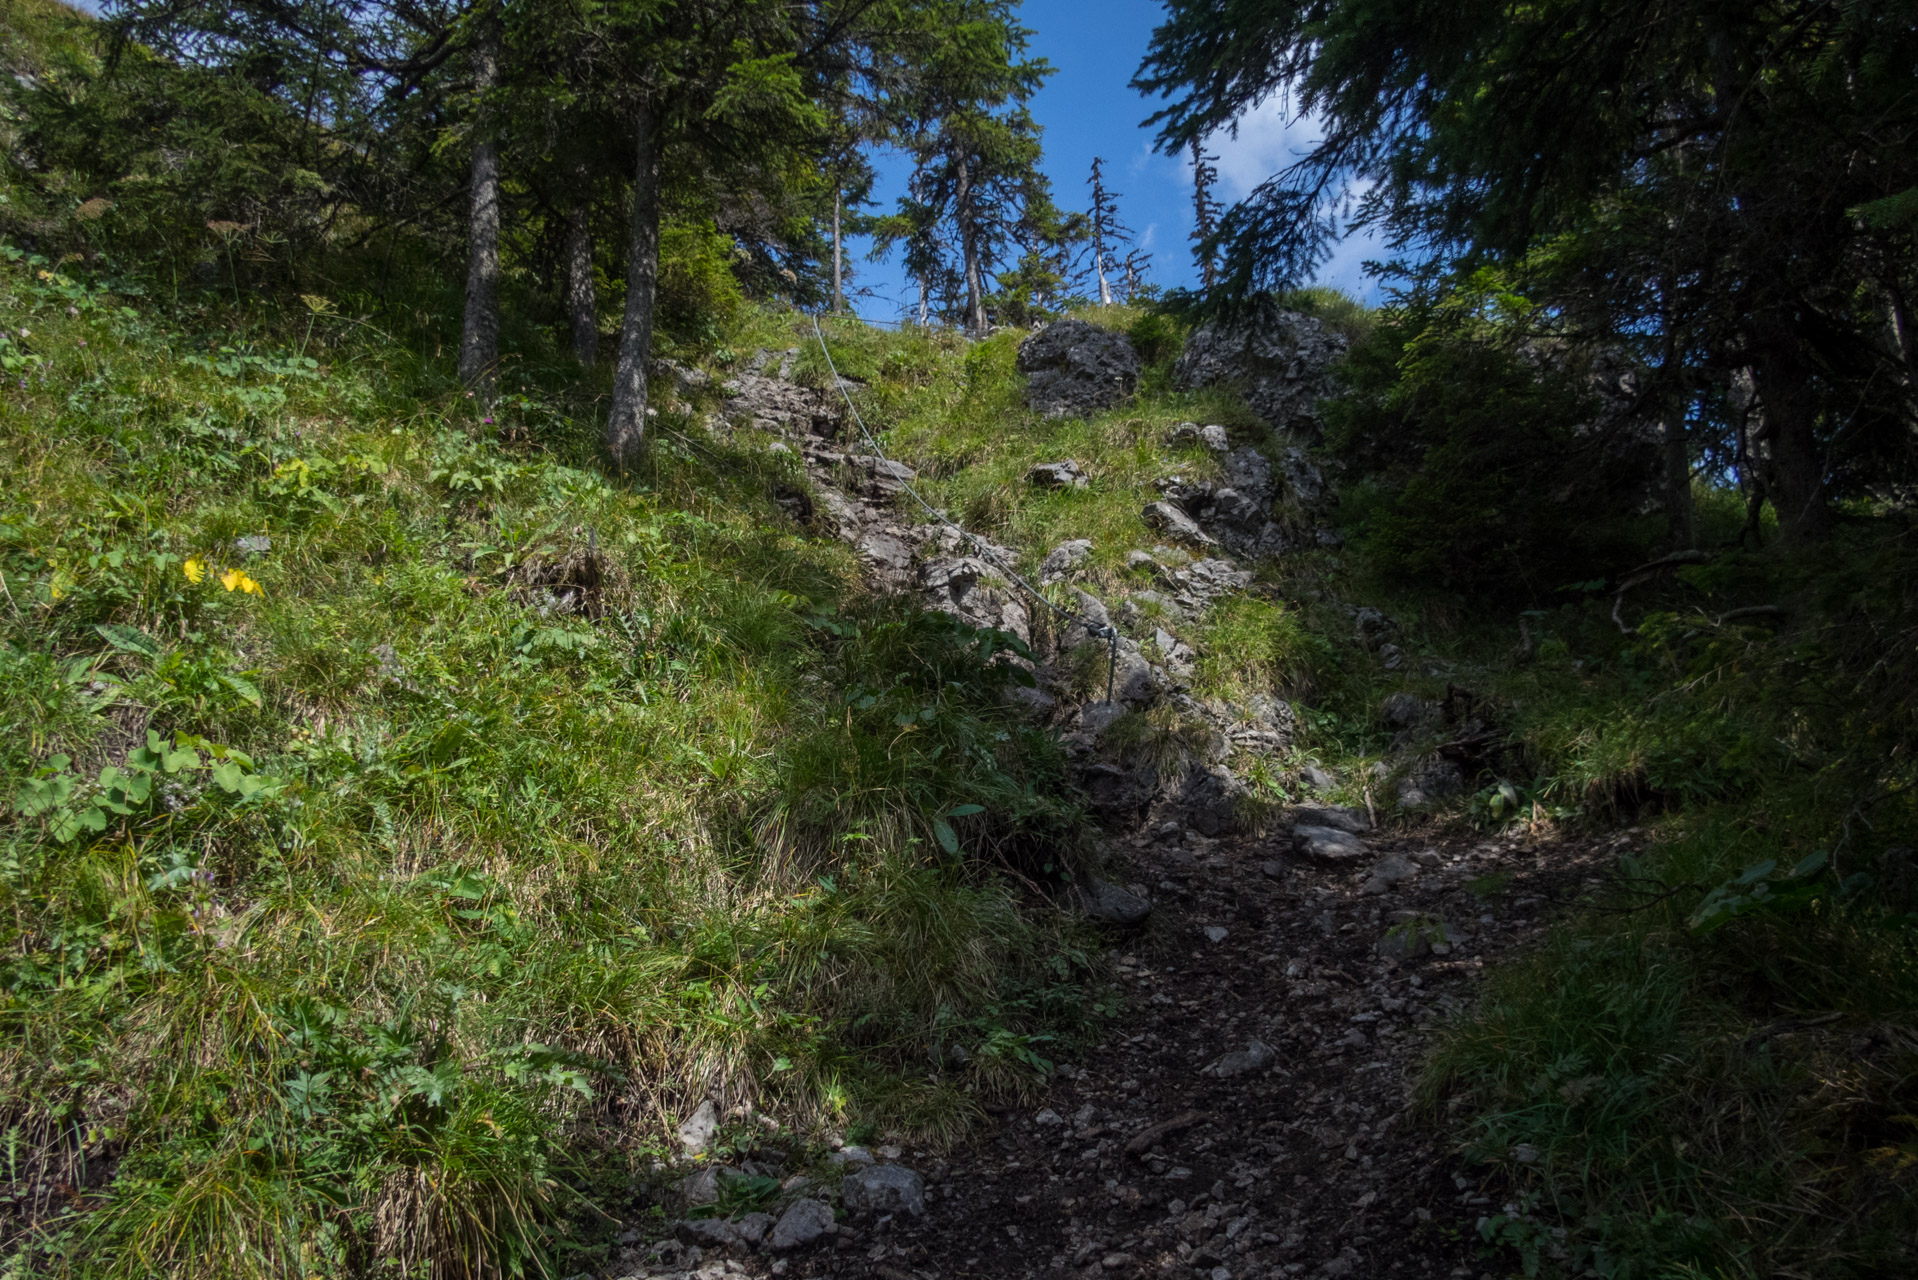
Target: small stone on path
x,y
803,1223
1328,844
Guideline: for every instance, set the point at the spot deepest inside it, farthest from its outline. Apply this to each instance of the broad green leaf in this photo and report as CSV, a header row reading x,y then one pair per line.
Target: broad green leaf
x,y
948,838
242,686
1809,863
129,639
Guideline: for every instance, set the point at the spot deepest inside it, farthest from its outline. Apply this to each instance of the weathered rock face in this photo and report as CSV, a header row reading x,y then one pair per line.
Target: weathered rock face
x,y
1059,475
1073,368
804,1222
1063,559
1280,360
884,1188
1212,800
771,404
1236,510
1108,903
1171,520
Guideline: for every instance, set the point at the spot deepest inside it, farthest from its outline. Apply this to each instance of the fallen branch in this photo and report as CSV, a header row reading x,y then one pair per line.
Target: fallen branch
x,y
1146,1139
1646,572
1751,611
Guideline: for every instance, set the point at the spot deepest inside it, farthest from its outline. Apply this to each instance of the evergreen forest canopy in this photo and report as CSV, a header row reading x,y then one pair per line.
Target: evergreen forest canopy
x,y
443,743
1728,192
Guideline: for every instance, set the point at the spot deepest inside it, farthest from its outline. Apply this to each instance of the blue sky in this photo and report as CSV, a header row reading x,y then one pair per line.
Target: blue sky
x,y
1088,109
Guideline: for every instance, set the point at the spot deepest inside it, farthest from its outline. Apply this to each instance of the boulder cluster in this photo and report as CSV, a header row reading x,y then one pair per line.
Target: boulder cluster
x,y
1111,675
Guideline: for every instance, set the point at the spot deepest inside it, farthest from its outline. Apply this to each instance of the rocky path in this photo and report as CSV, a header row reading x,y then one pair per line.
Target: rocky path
x,y
1249,1115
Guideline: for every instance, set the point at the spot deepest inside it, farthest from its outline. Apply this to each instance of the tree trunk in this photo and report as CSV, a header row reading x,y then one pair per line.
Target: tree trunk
x,y
838,261
925,302
1796,479
479,334
582,300
969,247
1099,265
626,424
1678,478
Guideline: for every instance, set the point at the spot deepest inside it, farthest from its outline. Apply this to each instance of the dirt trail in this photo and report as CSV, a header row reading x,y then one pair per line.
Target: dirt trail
x,y
1249,1114
1299,1154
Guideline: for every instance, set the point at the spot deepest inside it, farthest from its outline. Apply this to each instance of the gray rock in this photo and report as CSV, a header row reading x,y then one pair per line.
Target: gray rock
x,y
884,1188
708,1233
1058,475
1430,781
1176,652
1170,520
1134,680
1107,903
1408,711
1316,778
850,1157
772,405
1213,800
1198,584
696,1132
1372,627
1063,559
1392,657
1272,869
1091,622
1302,476
253,545
1280,361
1336,816
803,1223
1073,367
1390,870
1415,938
753,1228
969,588
1256,1056
701,1186
1212,437
1114,791
1216,933
1328,844
1036,703
1265,725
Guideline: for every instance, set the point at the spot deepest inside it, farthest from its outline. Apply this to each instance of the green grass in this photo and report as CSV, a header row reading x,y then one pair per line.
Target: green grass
x,y
499,813
1733,1104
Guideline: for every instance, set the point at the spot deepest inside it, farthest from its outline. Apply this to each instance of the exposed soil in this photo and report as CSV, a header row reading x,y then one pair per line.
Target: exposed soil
x,y
1311,1162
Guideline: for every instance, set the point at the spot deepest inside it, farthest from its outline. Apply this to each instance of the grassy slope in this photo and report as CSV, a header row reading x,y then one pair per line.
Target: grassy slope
x,y
415,878
1676,1130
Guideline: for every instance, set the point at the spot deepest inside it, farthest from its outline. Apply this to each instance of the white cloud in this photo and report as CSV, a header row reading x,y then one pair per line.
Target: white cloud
x,y
1266,141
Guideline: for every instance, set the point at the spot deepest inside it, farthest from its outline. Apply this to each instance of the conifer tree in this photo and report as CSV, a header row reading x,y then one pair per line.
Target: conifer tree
x,y
1105,230
1205,216
1773,140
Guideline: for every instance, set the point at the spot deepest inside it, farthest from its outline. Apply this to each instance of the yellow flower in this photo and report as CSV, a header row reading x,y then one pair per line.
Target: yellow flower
x,y
195,570
236,580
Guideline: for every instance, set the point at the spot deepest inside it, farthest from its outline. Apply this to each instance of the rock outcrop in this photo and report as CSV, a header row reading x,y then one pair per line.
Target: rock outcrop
x,y
1074,368
1280,361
